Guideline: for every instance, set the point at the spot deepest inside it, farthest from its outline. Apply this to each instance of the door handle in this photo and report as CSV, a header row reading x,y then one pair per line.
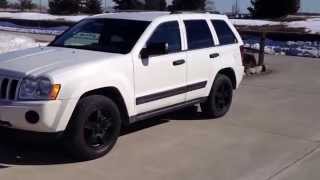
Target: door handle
x,y
214,55
179,62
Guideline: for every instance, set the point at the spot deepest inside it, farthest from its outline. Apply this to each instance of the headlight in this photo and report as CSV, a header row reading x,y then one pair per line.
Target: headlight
x,y
38,89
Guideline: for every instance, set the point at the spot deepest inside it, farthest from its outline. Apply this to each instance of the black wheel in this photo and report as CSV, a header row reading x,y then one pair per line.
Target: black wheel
x,y
220,99
94,128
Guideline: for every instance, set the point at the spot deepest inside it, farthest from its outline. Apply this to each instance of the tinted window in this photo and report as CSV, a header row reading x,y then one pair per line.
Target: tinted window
x,y
198,34
167,33
108,35
225,34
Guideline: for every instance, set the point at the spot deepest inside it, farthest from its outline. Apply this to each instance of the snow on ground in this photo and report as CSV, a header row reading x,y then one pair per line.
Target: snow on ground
x,y
312,24
40,16
10,42
290,48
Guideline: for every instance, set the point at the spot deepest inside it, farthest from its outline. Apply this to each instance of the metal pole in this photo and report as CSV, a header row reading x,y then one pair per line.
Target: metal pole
x,y
237,7
262,47
40,6
318,43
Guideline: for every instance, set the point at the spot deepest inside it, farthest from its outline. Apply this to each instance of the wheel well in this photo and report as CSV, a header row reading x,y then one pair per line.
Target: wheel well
x,y
229,72
115,95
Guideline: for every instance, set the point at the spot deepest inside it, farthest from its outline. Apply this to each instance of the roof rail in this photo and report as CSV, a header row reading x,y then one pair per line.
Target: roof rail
x,y
171,12
130,10
190,12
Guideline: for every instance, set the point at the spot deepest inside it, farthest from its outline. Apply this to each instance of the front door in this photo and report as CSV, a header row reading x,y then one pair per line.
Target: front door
x,y
160,80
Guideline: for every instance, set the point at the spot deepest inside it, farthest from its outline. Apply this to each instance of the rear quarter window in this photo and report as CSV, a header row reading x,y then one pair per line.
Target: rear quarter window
x,y
225,34
198,34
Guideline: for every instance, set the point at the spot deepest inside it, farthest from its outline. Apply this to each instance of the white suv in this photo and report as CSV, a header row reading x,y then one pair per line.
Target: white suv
x,y
114,69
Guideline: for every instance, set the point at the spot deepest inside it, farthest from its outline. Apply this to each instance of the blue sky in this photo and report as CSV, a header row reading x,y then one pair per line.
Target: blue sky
x,y
225,5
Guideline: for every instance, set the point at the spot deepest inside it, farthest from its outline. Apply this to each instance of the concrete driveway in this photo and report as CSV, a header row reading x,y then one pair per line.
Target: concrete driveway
x,y
272,132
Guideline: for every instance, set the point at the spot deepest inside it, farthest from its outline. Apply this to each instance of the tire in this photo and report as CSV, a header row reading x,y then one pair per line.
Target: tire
x,y
220,98
93,129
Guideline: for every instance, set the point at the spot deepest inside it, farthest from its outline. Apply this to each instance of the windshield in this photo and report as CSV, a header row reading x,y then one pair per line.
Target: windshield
x,y
107,35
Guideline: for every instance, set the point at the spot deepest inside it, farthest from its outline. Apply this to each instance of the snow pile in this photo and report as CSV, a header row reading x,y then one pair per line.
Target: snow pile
x,y
8,26
10,42
41,16
311,25
250,22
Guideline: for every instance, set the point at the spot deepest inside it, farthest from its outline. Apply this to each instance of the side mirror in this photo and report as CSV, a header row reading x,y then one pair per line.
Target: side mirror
x,y
154,49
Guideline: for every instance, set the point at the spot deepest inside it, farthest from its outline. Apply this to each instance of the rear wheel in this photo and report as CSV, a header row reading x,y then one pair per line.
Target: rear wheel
x,y
220,98
94,128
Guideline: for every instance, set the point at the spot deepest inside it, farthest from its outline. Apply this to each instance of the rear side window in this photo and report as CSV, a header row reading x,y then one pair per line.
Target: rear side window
x,y
169,33
225,34
198,34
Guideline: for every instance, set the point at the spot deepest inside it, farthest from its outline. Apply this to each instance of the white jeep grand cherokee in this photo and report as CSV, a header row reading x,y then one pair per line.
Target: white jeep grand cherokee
x,y
115,69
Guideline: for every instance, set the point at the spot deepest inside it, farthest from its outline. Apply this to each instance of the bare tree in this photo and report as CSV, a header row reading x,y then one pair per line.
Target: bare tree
x,y
210,5
26,4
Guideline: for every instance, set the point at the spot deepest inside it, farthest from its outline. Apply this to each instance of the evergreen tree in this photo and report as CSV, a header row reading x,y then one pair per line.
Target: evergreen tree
x,y
159,5
273,8
3,3
64,6
188,5
92,7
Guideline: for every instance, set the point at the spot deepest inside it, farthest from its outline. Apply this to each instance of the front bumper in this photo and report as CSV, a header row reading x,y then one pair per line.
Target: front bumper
x,y
53,115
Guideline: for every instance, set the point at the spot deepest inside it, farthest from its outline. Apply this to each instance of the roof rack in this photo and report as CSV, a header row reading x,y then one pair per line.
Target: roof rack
x,y
190,12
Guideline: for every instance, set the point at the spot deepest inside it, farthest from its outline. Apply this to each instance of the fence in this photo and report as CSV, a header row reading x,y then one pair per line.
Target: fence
x,y
282,36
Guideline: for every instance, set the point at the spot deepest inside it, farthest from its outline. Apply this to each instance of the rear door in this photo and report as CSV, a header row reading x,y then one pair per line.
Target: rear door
x,y
202,57
229,45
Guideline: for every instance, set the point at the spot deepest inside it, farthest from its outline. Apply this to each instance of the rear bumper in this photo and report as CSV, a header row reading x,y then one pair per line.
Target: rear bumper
x,y
53,115
239,74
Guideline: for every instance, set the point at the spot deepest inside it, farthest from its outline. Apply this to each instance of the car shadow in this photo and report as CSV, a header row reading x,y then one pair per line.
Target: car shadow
x,y
13,151
191,113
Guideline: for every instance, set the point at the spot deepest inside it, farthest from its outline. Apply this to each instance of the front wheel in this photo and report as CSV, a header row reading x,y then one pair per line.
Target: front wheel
x,y
220,98
94,128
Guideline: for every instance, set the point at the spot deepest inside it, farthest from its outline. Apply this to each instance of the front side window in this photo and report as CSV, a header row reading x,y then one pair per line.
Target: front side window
x,y
168,33
107,35
198,34
225,34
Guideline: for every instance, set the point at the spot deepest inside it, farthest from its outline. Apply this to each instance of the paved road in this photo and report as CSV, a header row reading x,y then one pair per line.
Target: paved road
x,y
271,133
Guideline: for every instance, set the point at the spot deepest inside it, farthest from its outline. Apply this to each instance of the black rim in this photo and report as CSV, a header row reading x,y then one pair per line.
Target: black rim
x,y
223,97
98,129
